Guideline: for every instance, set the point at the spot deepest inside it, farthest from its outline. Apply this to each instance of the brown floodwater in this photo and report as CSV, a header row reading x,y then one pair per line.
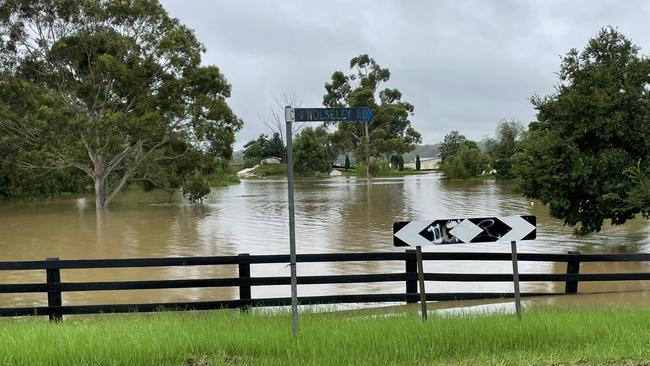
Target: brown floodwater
x,y
338,214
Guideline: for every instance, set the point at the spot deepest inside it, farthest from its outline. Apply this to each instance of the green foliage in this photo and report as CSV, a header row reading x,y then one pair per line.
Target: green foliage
x,y
504,146
451,144
271,170
223,179
263,147
312,151
200,172
254,151
115,90
588,134
196,187
377,168
639,195
397,162
347,162
17,181
22,183
276,147
389,132
467,162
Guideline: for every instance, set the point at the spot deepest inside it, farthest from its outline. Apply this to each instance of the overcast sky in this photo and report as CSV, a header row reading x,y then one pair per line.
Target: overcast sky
x,y
464,65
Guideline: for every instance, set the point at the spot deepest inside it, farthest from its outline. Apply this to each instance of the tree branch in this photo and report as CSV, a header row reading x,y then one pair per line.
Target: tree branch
x,y
132,169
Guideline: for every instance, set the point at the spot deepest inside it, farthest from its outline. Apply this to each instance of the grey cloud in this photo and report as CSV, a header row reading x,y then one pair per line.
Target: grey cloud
x,y
463,64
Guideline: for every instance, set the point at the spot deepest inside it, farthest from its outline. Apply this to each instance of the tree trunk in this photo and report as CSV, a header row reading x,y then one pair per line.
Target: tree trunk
x,y
101,193
101,184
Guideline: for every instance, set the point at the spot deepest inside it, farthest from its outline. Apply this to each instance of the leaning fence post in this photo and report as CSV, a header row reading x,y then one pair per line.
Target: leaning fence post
x,y
53,277
244,289
411,270
572,267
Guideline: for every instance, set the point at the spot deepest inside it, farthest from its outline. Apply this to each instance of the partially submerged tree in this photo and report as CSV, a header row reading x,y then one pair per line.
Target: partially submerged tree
x,y
389,132
312,151
467,162
112,88
451,144
588,153
504,146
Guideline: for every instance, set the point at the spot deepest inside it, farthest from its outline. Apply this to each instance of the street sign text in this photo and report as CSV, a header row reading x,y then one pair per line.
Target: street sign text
x,y
332,114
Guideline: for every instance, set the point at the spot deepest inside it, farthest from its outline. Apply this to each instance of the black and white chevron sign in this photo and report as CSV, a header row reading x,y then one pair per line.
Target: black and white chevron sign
x,y
468,230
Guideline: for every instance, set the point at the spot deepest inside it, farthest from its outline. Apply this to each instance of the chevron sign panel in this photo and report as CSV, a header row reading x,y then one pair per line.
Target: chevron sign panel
x,y
462,231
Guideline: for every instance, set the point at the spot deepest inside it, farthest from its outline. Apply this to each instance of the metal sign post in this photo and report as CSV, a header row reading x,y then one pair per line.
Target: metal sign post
x,y
292,115
515,278
423,293
289,118
462,231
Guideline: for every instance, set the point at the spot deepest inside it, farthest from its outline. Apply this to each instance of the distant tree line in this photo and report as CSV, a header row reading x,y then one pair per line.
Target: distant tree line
x,y
462,158
374,144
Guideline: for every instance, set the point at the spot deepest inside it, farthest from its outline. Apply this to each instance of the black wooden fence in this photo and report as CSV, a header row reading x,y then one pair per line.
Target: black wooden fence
x,y
56,309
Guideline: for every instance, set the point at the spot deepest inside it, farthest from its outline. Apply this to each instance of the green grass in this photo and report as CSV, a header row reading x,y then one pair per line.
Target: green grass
x,y
222,180
399,173
544,337
386,174
479,178
275,171
271,171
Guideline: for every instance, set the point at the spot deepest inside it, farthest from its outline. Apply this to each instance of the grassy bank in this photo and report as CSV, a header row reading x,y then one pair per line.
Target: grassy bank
x,y
478,178
387,173
222,180
544,337
279,171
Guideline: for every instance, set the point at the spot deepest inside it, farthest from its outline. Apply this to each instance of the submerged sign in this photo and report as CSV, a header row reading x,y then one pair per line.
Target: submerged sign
x,y
332,114
468,230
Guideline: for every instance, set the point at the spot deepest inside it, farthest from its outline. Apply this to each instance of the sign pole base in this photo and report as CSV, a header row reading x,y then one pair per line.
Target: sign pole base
x,y
423,293
515,278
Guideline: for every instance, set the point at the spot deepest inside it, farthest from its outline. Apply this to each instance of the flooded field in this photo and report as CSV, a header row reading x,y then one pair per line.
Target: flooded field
x,y
340,214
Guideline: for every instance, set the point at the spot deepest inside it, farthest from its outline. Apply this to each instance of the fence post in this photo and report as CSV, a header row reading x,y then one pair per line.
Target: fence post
x,y
411,269
572,267
244,290
53,277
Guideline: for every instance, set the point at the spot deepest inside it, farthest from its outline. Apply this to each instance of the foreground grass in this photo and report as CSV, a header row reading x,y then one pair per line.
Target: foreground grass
x,y
545,337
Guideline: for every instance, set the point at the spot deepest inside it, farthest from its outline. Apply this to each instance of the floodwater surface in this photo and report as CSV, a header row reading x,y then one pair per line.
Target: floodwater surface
x,y
338,214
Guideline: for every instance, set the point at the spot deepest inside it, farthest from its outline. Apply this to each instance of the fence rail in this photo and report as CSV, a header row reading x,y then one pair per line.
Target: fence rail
x,y
244,282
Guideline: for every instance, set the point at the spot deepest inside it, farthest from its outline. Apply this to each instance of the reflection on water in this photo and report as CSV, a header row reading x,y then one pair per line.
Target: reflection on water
x,y
340,214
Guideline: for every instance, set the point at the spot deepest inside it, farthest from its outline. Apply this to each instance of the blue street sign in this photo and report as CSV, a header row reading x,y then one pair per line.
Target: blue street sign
x,y
332,114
